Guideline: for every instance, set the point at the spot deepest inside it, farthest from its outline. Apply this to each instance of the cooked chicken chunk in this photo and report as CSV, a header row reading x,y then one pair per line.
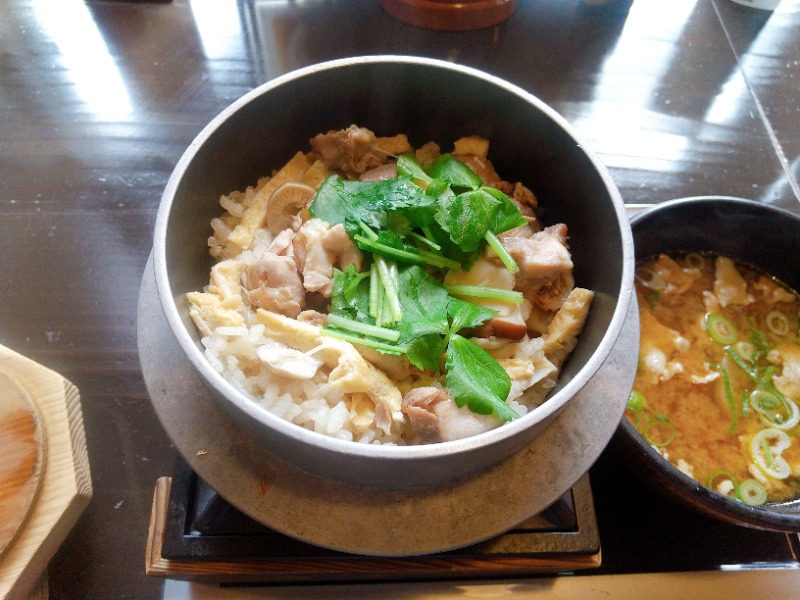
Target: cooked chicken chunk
x,y
509,322
436,418
273,283
318,247
545,265
352,150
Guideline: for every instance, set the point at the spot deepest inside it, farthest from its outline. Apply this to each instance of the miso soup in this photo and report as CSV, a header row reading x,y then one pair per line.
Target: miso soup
x,y
718,381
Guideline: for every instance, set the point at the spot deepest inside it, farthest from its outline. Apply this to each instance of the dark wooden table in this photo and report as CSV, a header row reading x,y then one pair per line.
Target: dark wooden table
x,y
99,99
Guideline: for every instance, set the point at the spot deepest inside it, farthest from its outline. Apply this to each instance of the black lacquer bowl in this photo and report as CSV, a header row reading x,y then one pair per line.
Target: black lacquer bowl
x,y
754,234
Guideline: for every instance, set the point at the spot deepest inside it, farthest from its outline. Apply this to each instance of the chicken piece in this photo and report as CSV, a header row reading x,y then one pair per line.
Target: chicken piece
x,y
552,295
318,247
350,373
282,243
256,212
273,283
352,150
209,311
545,265
509,322
729,286
788,357
382,173
436,418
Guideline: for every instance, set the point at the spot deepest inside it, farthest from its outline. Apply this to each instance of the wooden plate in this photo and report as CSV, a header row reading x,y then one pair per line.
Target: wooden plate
x,y
22,464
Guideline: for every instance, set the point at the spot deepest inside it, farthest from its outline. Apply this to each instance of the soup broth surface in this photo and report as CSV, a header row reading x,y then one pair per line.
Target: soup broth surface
x,y
718,382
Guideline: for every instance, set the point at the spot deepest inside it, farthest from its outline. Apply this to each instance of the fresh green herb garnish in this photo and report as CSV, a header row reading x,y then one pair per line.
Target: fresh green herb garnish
x,y
438,217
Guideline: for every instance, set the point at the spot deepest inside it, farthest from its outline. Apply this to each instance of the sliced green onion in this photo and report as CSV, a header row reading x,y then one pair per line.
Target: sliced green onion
x,y
363,328
745,403
780,412
501,252
665,433
480,291
636,400
354,339
726,381
778,323
764,378
741,362
720,329
752,493
746,350
635,417
653,298
766,448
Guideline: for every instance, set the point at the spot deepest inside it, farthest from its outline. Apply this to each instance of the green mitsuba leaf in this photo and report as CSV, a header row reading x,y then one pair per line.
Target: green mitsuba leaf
x,y
350,296
476,379
371,202
465,314
454,172
507,215
467,217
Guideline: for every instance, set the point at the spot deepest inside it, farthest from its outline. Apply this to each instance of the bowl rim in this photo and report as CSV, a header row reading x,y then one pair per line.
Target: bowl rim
x,y
371,451
678,482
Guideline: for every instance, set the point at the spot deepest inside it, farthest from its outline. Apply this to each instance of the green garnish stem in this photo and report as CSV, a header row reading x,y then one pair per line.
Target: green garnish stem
x,y
354,339
479,291
390,286
501,252
726,380
363,328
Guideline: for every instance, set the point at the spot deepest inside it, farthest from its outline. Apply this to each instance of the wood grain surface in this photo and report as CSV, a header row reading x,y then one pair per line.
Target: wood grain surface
x,y
101,98
62,479
23,448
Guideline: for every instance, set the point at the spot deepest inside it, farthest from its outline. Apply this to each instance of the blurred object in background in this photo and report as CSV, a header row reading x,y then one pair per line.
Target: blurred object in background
x,y
763,4
608,6
453,15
